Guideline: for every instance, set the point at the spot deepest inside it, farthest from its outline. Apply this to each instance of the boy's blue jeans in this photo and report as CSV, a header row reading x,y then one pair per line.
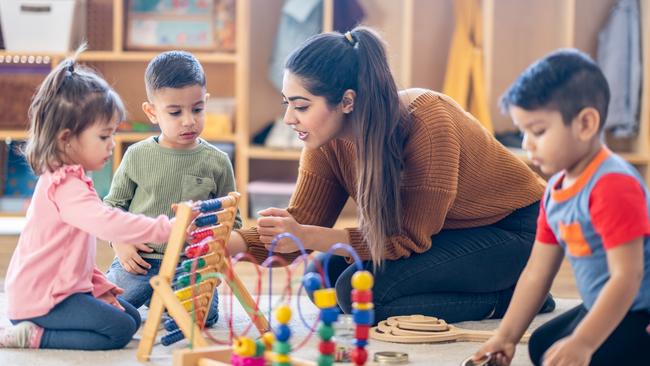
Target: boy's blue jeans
x,y
85,323
138,291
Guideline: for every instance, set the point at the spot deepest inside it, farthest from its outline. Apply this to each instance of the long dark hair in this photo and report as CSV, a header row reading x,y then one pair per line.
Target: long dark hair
x,y
331,63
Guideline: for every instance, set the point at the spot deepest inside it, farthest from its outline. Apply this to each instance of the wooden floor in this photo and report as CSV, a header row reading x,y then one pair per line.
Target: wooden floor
x,y
564,285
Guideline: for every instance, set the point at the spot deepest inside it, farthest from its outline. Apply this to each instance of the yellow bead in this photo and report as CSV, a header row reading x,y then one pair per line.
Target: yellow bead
x,y
362,280
325,298
363,305
280,358
184,293
244,346
268,338
283,314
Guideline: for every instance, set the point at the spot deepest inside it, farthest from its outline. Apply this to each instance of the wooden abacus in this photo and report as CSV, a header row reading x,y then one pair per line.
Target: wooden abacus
x,y
207,256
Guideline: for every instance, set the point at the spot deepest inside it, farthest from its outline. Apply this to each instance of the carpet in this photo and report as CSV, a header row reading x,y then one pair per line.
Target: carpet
x,y
419,354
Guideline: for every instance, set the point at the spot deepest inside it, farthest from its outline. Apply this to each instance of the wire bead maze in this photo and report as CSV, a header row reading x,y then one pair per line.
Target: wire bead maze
x,y
274,347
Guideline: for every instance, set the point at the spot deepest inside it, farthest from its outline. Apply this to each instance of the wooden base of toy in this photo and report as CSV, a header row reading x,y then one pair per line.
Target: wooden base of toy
x,y
426,329
216,356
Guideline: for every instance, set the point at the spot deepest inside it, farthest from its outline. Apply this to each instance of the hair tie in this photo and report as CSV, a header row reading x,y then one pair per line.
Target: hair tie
x,y
70,68
350,38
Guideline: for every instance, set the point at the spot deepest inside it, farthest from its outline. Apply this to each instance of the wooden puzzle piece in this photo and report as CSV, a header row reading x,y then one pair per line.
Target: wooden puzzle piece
x,y
426,329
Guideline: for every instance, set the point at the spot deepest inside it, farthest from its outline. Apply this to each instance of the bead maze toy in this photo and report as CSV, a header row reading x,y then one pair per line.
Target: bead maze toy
x,y
274,348
188,304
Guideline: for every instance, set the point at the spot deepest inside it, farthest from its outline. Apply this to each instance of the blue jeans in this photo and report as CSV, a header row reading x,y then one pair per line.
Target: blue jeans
x,y
138,291
83,322
467,274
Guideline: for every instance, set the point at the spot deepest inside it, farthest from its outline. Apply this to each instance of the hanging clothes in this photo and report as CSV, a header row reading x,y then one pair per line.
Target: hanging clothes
x,y
619,56
465,80
300,20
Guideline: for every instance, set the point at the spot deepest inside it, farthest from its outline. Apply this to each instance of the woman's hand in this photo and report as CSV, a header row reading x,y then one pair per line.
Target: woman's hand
x,y
568,351
276,221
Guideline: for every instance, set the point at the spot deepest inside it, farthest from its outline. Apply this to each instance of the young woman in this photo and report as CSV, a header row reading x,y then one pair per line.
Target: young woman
x,y
447,214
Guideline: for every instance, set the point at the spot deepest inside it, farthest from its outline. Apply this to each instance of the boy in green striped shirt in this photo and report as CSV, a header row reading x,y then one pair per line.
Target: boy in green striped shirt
x,y
175,166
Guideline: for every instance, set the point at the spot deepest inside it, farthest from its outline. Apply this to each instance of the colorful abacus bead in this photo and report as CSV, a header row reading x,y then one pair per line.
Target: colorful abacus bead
x,y
210,205
198,235
281,346
325,300
246,352
206,220
363,314
197,250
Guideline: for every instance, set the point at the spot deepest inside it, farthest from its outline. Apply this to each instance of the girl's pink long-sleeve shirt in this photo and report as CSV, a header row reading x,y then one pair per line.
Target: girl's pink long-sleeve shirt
x,y
55,256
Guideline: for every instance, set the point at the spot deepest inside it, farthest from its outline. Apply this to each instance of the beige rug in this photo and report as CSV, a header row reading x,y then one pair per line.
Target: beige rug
x,y
419,354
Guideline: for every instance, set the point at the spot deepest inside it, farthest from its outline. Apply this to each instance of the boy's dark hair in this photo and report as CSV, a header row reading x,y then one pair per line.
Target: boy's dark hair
x,y
565,80
173,69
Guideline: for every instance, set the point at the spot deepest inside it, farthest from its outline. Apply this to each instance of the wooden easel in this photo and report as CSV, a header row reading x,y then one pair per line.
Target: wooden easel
x,y
164,296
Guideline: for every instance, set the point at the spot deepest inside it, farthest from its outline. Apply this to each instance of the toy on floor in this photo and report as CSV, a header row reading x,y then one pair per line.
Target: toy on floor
x,y
485,361
426,329
189,304
275,348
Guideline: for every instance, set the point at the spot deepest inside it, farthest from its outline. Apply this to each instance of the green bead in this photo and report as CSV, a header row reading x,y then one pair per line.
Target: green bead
x,y
259,348
283,348
325,360
187,265
325,332
282,364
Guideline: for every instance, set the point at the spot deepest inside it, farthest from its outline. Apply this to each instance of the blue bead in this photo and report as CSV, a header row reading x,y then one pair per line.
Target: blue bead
x,y
329,315
172,337
170,325
210,205
360,342
363,317
206,220
311,281
282,333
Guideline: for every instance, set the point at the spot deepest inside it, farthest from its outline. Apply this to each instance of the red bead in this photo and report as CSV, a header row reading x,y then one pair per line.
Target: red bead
x,y
199,235
361,331
359,356
362,296
327,347
196,250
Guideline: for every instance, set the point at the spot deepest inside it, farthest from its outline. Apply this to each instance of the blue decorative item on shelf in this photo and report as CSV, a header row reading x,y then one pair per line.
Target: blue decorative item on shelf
x,y
20,181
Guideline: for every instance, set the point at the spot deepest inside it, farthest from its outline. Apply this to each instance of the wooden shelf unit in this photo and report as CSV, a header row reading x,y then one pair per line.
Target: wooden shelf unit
x,y
227,73
418,33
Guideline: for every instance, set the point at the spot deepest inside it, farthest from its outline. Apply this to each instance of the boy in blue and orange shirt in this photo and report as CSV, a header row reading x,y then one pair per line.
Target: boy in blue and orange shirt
x,y
595,211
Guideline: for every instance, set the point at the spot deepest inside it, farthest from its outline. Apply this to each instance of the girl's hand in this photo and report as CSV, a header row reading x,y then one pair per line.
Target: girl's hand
x,y
109,297
276,221
568,351
502,351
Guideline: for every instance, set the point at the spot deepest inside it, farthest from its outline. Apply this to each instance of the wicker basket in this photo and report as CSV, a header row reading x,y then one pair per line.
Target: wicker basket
x,y
14,105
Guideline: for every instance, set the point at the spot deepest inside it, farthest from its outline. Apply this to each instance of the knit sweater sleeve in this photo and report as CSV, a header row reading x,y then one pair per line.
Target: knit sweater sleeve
x,y
318,200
